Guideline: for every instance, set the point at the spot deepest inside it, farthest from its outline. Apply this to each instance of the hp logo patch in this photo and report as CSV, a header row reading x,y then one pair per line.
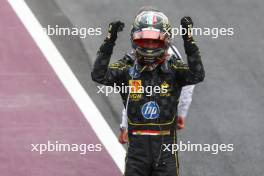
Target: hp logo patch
x,y
150,110
133,72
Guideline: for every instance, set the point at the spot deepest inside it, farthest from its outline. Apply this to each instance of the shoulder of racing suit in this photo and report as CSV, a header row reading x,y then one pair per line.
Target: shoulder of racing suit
x,y
121,64
179,65
173,59
174,62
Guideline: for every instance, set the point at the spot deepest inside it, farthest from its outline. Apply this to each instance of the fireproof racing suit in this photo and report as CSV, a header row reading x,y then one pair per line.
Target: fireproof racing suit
x,y
185,97
151,119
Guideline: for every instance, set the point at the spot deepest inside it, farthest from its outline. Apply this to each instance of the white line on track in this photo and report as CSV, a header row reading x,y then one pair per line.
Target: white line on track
x,y
70,82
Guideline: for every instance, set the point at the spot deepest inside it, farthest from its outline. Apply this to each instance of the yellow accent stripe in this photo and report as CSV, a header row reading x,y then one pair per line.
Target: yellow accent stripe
x,y
181,67
150,124
120,68
165,132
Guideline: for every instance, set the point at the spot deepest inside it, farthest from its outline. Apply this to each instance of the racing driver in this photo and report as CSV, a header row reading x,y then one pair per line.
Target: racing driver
x,y
152,119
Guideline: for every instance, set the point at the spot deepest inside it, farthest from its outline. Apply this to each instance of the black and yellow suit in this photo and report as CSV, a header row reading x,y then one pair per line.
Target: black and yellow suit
x,y
151,118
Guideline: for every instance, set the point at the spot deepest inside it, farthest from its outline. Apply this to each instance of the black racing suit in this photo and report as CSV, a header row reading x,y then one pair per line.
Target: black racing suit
x,y
150,113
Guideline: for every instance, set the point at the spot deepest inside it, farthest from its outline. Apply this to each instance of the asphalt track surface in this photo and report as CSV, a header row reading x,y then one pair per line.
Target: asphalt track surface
x,y
227,107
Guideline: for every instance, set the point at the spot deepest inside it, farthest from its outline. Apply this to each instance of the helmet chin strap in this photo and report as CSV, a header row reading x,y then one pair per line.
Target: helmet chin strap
x,y
152,66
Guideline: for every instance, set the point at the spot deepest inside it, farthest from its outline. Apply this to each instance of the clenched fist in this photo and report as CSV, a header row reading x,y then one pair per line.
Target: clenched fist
x,y
187,24
114,28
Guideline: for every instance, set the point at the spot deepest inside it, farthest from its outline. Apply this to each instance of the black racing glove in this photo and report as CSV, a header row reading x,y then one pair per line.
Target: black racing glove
x,y
114,27
187,24
189,43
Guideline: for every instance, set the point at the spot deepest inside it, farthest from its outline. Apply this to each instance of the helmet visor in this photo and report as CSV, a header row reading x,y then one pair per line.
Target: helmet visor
x,y
149,43
148,34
